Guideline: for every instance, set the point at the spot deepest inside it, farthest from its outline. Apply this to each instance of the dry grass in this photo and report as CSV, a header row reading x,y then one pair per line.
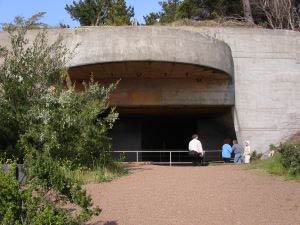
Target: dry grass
x,y
222,22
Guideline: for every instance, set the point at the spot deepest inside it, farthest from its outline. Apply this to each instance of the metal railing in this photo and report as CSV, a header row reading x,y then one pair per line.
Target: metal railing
x,y
170,154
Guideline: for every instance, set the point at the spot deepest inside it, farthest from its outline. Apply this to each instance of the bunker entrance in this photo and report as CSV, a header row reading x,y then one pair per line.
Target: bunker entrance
x,y
155,132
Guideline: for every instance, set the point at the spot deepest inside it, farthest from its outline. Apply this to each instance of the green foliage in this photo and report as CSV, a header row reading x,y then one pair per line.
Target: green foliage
x,y
46,123
99,173
100,12
11,201
285,162
272,166
173,10
40,199
290,156
119,13
21,22
26,74
202,9
170,11
151,19
256,156
72,126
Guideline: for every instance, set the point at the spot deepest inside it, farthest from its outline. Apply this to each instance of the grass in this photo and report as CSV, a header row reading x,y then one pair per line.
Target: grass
x,y
223,22
99,174
273,166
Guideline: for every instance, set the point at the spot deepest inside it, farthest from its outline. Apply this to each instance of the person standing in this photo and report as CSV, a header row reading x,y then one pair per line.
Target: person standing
x,y
196,150
226,151
237,149
247,152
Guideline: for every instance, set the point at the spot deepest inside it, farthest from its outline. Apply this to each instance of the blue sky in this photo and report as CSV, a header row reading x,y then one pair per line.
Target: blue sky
x,y
56,12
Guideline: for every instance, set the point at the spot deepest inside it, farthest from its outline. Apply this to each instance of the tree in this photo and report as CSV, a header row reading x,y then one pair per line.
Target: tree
x,y
247,11
100,12
210,9
72,126
26,74
197,10
38,112
151,18
89,12
280,14
33,99
170,10
119,13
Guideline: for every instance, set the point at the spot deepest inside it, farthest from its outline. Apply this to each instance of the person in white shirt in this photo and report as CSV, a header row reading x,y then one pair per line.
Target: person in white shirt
x,y
247,152
196,150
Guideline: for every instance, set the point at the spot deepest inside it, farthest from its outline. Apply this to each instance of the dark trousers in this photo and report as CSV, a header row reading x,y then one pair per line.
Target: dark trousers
x,y
196,157
226,160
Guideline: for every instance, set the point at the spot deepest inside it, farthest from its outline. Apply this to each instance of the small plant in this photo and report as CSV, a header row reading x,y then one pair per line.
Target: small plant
x,y
39,199
285,161
290,156
256,156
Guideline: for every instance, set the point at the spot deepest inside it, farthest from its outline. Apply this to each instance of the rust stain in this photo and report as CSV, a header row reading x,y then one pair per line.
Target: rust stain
x,y
147,97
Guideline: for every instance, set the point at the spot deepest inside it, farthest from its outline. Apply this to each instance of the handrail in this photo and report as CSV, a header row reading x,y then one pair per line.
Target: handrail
x,y
130,151
163,151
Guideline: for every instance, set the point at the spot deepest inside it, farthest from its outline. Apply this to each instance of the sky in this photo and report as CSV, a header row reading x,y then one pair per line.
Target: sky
x,y
56,13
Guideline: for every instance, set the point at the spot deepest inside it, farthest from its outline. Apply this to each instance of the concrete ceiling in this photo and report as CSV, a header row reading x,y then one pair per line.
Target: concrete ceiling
x,y
145,69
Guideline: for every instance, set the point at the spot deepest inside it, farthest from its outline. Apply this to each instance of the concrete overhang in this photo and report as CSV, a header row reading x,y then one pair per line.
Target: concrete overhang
x,y
102,45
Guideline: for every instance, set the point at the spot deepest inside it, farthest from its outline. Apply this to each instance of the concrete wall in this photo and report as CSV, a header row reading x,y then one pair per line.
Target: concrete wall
x,y
118,44
172,92
267,82
266,67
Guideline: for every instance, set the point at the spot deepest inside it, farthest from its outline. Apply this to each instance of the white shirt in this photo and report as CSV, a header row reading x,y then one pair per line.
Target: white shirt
x,y
195,145
247,150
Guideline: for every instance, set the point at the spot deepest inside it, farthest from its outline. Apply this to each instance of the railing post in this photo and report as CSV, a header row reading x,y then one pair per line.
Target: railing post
x,y
137,156
170,158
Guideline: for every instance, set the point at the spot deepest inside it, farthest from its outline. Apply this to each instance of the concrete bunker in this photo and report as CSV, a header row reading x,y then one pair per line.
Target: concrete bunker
x,y
173,83
266,112
161,104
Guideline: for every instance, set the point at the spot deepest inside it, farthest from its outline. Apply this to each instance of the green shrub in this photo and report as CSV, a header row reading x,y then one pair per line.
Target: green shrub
x,y
273,166
45,123
73,126
290,156
26,73
39,200
255,155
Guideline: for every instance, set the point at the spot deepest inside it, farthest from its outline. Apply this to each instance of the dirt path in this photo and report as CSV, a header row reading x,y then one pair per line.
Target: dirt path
x,y
214,195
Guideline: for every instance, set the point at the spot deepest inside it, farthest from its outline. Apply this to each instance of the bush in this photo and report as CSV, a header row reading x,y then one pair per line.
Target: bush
x,y
273,166
44,123
40,199
290,156
26,73
72,126
256,156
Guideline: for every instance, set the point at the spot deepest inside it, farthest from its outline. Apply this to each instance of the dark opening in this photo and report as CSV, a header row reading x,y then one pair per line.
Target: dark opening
x,y
153,132
167,132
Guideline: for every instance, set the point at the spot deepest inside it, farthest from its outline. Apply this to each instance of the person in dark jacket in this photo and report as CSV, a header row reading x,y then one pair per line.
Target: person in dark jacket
x,y
237,149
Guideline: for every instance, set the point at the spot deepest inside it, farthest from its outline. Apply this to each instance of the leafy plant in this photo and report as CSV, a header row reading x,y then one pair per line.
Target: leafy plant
x,y
290,156
45,123
28,71
255,155
40,199
72,126
100,12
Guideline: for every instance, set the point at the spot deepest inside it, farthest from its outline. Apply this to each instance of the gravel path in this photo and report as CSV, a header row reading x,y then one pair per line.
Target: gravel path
x,y
213,195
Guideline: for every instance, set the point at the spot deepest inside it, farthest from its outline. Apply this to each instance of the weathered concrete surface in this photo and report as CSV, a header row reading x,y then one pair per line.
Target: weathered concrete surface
x,y
266,67
171,92
267,82
118,44
160,83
